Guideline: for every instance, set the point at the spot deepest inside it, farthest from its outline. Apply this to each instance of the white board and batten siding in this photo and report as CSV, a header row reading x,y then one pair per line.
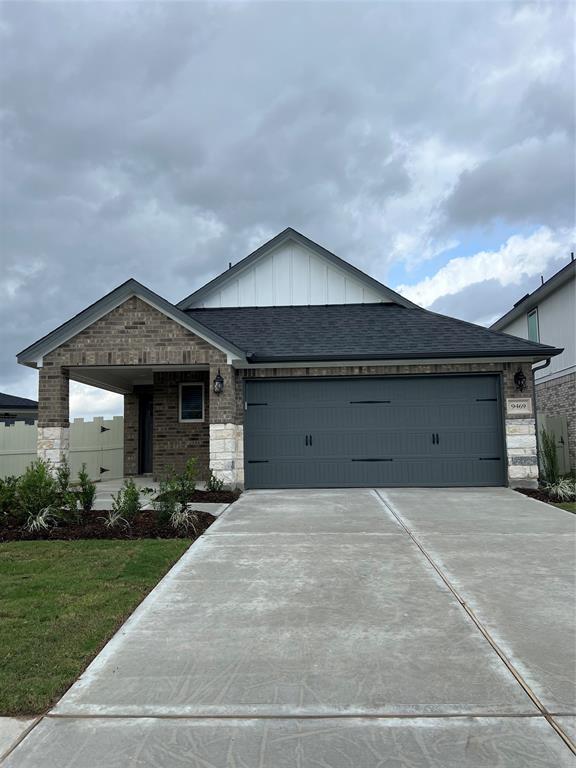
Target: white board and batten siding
x,y
290,275
98,443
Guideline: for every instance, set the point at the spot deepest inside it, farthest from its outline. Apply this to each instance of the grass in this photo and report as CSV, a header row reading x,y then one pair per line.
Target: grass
x,y
60,601
569,506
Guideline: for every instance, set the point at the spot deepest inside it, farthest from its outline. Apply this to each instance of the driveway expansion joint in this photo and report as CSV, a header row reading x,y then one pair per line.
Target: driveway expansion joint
x,y
483,630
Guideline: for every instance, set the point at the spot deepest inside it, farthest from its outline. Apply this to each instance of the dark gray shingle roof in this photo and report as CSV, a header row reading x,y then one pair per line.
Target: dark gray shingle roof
x,y
358,331
11,401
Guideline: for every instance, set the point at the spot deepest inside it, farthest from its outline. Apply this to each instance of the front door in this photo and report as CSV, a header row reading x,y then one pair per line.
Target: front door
x,y
145,432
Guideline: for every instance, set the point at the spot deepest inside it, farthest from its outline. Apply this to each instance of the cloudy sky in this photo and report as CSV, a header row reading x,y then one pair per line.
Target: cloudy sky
x,y
430,144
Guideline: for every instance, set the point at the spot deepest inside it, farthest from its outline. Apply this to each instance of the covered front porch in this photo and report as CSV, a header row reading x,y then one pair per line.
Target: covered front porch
x,y
171,413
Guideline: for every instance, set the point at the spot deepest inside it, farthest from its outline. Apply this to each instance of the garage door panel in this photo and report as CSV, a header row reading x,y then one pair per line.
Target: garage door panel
x,y
374,431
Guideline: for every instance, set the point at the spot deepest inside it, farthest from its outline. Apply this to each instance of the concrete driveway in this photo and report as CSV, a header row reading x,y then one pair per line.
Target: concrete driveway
x,y
341,629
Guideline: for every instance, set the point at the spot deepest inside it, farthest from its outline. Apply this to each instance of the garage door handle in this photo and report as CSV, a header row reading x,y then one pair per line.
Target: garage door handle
x,y
437,438
433,439
310,438
306,439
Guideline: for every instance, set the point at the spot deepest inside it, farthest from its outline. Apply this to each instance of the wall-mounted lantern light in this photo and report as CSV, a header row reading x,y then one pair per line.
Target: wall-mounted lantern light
x,y
218,383
520,380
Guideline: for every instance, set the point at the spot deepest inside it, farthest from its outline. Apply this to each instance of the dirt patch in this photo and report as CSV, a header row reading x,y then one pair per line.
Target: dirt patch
x,y
146,525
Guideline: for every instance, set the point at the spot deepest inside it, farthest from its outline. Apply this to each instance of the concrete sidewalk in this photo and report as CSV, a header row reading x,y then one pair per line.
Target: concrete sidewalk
x,y
310,628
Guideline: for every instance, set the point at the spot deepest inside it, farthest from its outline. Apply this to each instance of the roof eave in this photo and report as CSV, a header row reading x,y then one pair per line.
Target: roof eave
x,y
507,354
31,355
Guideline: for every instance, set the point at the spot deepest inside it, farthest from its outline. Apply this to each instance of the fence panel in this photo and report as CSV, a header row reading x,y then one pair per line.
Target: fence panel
x,y
99,444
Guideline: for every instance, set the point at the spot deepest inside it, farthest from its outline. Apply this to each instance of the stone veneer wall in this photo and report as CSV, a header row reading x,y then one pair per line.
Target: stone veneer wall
x,y
557,397
520,433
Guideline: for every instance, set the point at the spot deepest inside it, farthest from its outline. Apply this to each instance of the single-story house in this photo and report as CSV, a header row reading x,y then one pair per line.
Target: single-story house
x,y
295,369
13,408
549,314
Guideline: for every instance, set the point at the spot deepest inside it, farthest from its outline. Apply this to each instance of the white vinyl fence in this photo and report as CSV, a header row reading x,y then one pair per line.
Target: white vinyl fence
x,y
98,443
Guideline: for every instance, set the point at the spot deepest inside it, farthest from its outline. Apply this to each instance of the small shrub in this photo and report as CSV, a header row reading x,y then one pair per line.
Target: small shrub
x,y
9,503
113,519
166,502
563,489
549,454
126,503
38,490
214,483
63,477
187,480
183,519
87,490
41,521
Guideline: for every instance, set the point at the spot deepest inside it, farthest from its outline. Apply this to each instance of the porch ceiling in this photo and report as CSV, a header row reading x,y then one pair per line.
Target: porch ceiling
x,y
123,378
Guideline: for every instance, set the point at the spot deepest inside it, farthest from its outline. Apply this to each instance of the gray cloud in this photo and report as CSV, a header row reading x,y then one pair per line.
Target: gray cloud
x,y
161,141
525,183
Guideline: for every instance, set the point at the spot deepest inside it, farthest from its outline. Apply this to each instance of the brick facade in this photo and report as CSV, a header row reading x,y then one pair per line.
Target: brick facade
x,y
175,442
136,334
557,397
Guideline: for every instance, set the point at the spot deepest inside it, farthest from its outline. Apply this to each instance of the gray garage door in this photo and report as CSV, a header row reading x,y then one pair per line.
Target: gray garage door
x,y
406,431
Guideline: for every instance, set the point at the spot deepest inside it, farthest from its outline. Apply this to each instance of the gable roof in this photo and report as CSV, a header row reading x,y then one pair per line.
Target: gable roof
x,y
17,403
283,237
381,331
529,301
32,354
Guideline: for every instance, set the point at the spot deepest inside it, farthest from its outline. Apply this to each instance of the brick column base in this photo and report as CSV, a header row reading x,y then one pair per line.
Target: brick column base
x,y
227,453
522,453
53,444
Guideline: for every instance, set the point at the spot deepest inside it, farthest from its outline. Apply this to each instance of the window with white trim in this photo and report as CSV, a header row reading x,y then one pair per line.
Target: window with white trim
x,y
191,402
533,330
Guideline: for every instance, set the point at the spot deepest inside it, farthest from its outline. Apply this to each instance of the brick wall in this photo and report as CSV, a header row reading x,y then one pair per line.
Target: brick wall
x,y
131,431
53,395
175,442
557,397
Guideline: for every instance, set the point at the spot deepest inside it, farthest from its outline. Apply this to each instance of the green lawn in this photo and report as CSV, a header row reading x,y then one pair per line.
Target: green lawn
x,y
569,506
60,601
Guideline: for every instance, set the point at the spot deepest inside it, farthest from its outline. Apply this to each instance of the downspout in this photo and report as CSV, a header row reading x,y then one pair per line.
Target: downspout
x,y
545,364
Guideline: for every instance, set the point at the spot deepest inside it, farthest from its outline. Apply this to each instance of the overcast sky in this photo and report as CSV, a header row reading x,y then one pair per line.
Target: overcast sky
x,y
429,144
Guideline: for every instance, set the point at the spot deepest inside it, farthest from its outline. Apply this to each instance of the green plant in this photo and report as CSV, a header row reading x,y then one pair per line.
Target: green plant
x,y
166,501
87,490
186,480
126,503
9,496
40,521
113,519
564,489
549,455
214,484
62,476
38,490
183,519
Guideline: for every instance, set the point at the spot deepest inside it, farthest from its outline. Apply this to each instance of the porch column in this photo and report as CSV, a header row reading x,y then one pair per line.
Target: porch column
x,y
226,430
53,414
521,446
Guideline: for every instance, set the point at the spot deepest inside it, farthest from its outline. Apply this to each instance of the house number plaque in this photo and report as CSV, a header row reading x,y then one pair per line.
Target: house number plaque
x,y
519,405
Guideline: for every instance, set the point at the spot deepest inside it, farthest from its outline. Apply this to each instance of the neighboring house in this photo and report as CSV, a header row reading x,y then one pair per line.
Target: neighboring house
x,y
549,315
295,369
14,408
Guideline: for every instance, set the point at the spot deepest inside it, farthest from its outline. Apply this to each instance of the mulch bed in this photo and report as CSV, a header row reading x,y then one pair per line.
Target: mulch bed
x,y
145,526
536,493
214,497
